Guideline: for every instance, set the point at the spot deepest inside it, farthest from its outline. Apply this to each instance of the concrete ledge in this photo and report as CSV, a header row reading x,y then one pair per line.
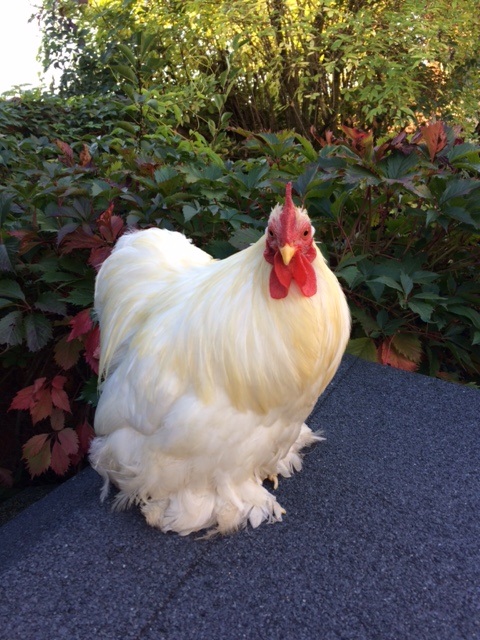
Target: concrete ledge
x,y
381,539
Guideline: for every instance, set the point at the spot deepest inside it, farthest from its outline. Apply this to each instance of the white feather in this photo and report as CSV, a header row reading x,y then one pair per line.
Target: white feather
x,y
208,380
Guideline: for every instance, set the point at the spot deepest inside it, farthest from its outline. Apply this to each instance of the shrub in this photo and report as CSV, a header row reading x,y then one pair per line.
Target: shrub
x,y
398,221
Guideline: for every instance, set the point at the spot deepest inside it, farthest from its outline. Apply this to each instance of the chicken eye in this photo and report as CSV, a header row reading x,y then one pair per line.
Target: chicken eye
x,y
306,232
270,233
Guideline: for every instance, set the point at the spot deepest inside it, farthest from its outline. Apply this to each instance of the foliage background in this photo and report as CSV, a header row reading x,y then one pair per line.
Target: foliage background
x,y
192,116
277,63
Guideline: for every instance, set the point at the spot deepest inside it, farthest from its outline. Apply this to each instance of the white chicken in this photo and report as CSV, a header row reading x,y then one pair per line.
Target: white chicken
x,y
210,369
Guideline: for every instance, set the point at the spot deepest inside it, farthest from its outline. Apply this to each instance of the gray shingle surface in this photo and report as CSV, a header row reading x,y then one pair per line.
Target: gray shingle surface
x,y
381,539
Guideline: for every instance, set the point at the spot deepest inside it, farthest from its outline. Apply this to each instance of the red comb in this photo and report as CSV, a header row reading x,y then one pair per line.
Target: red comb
x,y
287,217
289,205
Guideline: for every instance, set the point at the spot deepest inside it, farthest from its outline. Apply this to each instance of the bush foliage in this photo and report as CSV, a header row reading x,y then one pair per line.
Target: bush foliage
x,y
276,64
398,222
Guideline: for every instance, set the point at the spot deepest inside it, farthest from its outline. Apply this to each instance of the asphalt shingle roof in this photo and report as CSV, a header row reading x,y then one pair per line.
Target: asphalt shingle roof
x,y
381,539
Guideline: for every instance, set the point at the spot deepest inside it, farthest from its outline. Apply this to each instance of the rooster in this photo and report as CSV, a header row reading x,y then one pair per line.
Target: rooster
x,y
210,368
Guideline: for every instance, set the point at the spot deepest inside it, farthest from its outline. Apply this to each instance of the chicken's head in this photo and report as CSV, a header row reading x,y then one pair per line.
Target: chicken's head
x,y
290,248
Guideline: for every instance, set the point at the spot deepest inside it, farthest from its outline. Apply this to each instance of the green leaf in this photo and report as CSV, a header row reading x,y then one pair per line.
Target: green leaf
x,y
368,324
5,207
11,289
128,127
423,277
392,326
253,179
460,214
309,152
81,296
350,259
5,262
51,302
466,312
11,329
356,174
243,238
164,174
407,283
219,249
190,212
148,40
458,188
37,453
398,165
349,274
432,216
389,282
38,331
89,393
423,309
364,348
128,53
4,302
464,150
99,186
377,288
408,345
55,277
428,295
418,189
125,72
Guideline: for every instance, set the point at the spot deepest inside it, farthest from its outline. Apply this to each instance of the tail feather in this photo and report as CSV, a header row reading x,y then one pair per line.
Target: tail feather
x,y
154,257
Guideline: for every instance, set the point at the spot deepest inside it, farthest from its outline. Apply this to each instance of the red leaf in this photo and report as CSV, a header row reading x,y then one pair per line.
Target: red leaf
x,y
85,157
59,459
36,398
59,382
43,405
34,445
81,324
98,256
105,217
361,140
59,397
435,137
68,440
57,419
24,399
37,454
67,150
66,353
92,348
387,354
357,135
85,435
110,226
38,384
80,239
65,446
28,239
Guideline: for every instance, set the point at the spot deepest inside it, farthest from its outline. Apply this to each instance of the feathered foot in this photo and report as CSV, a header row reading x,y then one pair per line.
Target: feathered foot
x,y
293,460
229,508
273,477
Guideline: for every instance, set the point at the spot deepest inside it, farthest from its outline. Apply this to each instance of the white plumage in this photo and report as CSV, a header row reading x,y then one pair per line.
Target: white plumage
x,y
208,379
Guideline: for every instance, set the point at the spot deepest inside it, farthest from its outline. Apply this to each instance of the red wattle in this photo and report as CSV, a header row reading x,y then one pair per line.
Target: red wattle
x,y
304,274
277,289
281,270
300,269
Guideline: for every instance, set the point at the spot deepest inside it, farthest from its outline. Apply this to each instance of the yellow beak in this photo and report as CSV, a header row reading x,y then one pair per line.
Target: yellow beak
x,y
287,252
